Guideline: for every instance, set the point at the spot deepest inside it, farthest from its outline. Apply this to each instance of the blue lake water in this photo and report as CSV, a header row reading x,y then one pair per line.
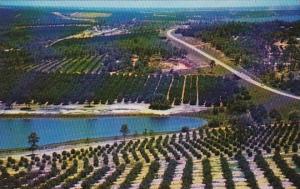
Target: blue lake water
x,y
14,132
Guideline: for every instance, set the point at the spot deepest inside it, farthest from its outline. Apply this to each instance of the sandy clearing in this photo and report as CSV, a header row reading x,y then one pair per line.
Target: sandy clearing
x,y
99,109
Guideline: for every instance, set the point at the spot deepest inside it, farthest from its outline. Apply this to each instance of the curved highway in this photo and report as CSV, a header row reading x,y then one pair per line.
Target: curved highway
x,y
171,36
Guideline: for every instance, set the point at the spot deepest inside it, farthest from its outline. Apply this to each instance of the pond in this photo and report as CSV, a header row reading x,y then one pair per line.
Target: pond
x,y
14,132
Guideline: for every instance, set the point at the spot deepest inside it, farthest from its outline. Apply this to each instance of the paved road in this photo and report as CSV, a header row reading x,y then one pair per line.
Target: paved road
x,y
171,36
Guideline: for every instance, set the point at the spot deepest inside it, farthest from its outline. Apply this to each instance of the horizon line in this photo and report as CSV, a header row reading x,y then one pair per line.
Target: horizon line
x,y
150,4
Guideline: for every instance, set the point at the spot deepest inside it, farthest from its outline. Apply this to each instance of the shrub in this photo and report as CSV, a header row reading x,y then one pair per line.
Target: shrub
x,y
159,102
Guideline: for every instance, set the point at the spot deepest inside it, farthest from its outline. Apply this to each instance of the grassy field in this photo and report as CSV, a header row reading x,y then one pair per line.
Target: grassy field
x,y
288,107
89,14
216,71
258,95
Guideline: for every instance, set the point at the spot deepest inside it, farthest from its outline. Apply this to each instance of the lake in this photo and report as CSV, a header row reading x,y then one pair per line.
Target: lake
x,y
14,131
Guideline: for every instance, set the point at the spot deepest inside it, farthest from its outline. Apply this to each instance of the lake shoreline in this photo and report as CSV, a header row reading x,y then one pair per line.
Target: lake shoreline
x,y
90,129
68,145
74,143
82,110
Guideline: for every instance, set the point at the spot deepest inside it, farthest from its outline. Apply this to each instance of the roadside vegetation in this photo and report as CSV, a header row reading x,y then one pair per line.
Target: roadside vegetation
x,y
268,50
